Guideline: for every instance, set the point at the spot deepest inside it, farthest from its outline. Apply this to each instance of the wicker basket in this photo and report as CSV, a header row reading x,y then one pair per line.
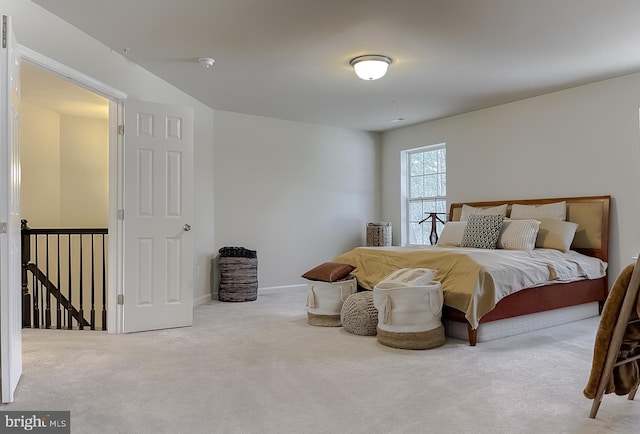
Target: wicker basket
x,y
379,234
238,274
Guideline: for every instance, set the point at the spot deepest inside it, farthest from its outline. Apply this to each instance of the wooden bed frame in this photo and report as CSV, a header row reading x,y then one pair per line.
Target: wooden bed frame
x,y
592,238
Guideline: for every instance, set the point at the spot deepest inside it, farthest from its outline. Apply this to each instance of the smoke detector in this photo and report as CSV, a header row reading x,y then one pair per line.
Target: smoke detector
x,y
207,62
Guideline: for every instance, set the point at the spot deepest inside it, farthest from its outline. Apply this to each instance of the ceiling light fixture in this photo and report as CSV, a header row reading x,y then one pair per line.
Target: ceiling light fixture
x,y
371,66
207,62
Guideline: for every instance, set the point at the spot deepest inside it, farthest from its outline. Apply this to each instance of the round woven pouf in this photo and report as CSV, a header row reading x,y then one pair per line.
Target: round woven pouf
x,y
359,316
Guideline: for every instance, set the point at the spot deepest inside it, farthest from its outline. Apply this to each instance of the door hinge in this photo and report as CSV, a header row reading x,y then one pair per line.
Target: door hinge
x,y
120,214
3,228
120,298
4,31
121,130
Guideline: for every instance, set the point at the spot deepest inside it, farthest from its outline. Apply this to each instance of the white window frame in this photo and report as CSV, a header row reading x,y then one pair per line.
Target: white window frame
x,y
406,191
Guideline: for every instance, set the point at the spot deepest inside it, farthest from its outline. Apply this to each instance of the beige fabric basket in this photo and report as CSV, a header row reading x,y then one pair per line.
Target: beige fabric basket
x,y
325,299
409,317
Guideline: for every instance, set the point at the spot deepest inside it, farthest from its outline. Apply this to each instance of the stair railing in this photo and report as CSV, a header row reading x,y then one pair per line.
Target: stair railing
x,y
64,275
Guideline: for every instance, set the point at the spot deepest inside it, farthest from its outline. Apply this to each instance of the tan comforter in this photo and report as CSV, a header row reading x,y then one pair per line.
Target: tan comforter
x,y
474,280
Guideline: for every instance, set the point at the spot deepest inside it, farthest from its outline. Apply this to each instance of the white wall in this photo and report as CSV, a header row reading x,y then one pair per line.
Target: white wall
x,y
65,169
48,35
577,142
299,194
40,160
84,172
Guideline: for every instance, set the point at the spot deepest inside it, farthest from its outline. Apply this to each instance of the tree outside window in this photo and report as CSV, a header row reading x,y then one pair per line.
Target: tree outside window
x,y
426,191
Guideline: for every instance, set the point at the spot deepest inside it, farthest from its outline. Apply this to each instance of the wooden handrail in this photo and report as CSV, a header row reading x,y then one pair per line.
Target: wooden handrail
x,y
42,278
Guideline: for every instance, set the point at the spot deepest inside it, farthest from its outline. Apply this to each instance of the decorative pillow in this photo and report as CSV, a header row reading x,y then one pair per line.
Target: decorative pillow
x,y
518,234
556,234
451,235
557,210
482,231
329,272
468,210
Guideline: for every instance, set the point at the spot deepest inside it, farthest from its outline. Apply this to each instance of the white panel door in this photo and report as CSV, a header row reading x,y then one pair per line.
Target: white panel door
x,y
158,212
10,265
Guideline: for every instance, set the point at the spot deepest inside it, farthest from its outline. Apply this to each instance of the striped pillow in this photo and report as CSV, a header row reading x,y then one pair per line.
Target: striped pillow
x,y
518,234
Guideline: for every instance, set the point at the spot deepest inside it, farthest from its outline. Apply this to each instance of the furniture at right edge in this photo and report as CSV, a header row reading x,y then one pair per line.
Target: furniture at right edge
x,y
616,351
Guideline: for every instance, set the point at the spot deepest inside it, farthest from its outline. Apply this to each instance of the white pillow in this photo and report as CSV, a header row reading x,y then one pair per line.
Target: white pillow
x,y
451,235
518,234
557,210
468,210
556,234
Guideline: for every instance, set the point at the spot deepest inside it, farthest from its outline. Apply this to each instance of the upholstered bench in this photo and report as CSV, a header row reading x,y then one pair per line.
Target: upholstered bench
x,y
359,316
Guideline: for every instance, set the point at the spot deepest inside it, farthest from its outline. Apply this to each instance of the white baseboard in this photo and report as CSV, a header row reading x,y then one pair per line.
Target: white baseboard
x,y
261,290
201,300
302,286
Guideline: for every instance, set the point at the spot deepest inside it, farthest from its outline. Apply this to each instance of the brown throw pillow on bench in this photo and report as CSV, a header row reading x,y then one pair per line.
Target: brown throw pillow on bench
x,y
329,272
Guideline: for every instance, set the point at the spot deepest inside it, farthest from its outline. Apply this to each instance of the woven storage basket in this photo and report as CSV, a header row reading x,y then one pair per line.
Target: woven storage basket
x,y
409,317
325,299
238,274
379,234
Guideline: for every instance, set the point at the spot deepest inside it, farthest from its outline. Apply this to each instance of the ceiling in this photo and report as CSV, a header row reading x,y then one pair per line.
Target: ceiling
x,y
59,95
289,59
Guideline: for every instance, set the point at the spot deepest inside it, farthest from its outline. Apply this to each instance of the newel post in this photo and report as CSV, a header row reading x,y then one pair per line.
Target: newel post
x,y
26,255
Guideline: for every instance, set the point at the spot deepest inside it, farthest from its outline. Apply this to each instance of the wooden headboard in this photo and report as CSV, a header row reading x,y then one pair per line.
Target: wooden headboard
x,y
591,213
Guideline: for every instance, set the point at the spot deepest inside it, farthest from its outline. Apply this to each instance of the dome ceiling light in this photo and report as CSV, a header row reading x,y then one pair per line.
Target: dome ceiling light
x,y
371,66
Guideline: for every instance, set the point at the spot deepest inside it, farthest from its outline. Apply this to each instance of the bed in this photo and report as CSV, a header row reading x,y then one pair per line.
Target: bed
x,y
481,291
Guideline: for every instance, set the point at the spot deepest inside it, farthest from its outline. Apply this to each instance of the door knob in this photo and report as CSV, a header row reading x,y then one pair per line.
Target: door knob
x,y
187,227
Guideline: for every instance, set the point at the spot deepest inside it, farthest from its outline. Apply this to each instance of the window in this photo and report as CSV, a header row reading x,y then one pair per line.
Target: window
x,y
425,191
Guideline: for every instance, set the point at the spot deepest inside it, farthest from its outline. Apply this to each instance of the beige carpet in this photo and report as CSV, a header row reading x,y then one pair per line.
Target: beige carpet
x,y
257,367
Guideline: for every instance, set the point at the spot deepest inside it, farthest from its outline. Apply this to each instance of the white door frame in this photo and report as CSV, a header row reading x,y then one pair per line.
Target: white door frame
x,y
116,117
10,299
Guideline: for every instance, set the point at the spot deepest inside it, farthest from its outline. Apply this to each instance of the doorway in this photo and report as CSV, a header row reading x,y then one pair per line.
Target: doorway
x,y
64,157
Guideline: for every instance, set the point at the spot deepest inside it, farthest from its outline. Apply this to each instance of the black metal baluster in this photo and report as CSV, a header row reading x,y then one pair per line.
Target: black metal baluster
x,y
36,291
81,310
69,285
58,309
93,285
25,242
47,309
104,285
